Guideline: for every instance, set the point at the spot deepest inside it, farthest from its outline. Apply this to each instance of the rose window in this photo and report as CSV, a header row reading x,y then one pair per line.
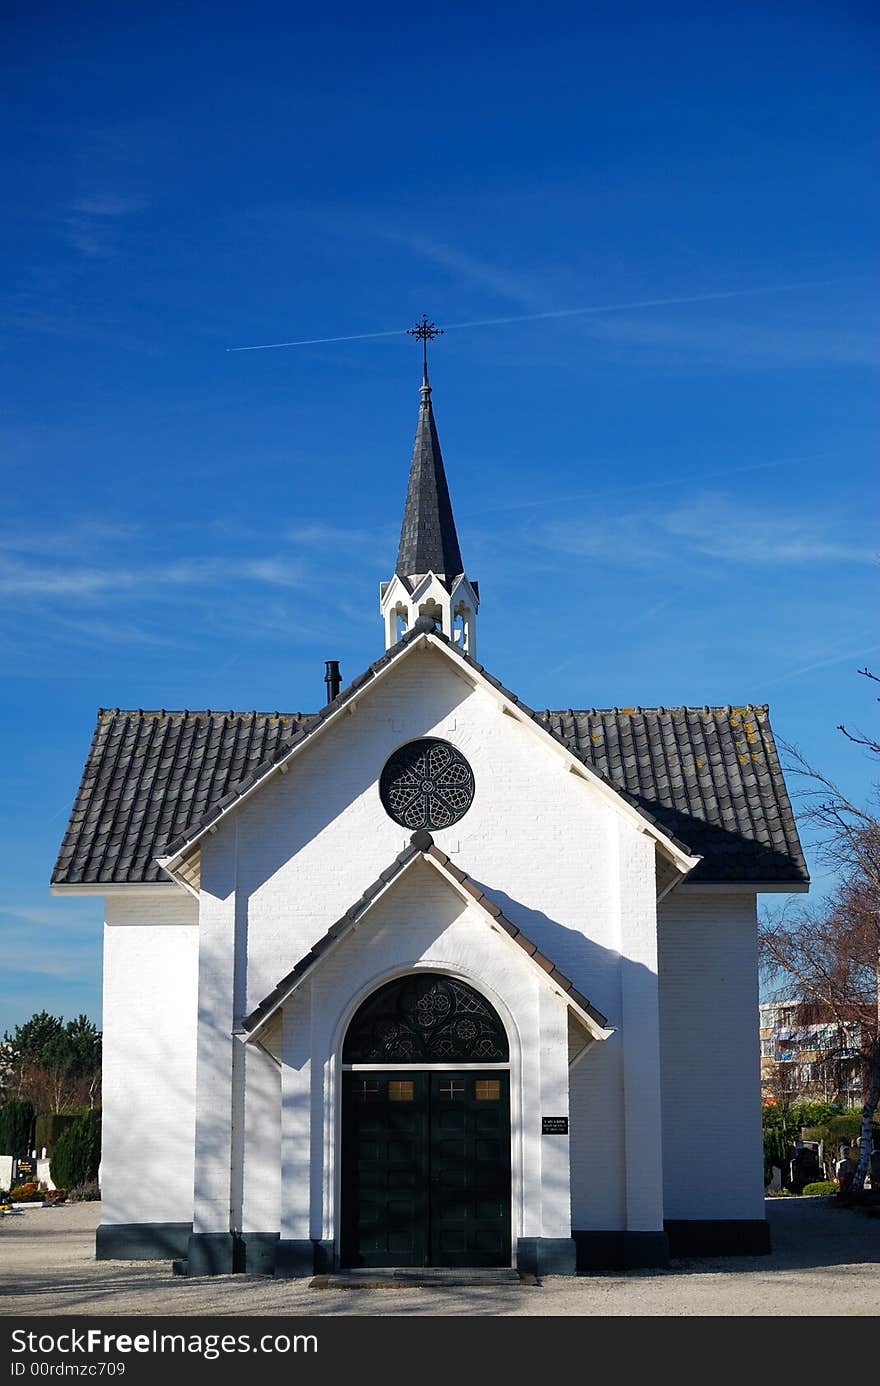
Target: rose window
x,y
427,784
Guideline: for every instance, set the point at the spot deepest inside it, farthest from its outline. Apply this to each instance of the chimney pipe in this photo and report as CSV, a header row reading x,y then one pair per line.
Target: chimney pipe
x,y
332,678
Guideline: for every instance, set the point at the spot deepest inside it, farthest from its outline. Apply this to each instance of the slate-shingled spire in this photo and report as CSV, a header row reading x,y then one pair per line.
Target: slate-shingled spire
x,y
429,583
428,541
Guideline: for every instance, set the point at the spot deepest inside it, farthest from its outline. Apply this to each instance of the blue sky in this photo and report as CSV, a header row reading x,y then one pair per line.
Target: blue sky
x,y
663,504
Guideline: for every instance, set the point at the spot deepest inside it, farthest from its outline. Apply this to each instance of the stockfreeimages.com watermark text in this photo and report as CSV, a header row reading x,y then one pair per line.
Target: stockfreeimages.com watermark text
x,y
95,1342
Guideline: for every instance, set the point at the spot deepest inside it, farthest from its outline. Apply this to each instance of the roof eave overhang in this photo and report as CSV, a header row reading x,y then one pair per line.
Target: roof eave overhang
x,y
747,887
143,888
463,582
684,861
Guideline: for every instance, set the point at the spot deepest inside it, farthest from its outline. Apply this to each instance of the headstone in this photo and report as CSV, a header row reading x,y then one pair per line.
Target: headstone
x,y
25,1170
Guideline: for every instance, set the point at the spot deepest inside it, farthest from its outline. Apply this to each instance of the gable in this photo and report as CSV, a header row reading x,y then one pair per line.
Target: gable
x,y
419,872
709,776
300,848
453,677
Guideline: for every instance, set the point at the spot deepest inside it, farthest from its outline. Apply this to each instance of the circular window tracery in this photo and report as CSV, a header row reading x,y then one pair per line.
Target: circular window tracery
x,y
426,784
426,1018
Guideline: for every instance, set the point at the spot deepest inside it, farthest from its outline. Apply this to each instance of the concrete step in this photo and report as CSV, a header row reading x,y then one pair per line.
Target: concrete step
x,y
415,1277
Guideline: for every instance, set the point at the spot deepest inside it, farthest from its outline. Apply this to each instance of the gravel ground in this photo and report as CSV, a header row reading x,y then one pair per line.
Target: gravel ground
x,y
825,1262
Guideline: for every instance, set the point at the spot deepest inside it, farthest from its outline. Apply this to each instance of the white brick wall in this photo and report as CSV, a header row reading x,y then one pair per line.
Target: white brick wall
x,y
550,849
563,863
422,922
150,971
312,840
710,1056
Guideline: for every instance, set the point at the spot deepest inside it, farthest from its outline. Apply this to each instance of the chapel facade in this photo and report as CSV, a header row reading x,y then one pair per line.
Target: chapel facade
x,y
428,977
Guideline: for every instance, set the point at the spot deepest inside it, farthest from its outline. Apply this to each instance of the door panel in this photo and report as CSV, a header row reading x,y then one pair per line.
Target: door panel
x,y
426,1169
470,1171
384,1171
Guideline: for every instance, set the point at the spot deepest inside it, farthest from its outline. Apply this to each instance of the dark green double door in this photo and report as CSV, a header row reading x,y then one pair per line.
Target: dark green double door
x,y
426,1169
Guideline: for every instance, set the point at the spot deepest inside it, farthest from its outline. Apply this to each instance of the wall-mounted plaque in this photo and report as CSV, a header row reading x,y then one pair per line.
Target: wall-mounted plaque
x,y
554,1126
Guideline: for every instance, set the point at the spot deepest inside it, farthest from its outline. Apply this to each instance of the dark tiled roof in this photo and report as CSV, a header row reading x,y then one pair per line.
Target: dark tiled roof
x,y
428,539
105,789
149,775
152,780
421,843
708,774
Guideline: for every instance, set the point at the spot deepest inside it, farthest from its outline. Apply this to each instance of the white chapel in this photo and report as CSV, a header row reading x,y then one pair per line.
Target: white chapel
x,y
428,978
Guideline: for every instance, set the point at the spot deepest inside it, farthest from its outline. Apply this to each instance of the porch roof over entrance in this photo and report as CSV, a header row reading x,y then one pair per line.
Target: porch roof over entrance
x,y
422,846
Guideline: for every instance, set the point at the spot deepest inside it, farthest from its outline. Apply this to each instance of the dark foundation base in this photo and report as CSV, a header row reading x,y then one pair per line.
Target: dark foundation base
x,y
211,1253
617,1251
264,1253
718,1237
255,1253
142,1241
546,1256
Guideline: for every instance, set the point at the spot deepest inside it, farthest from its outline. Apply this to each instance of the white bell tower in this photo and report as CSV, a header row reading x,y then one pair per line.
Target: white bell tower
x,y
429,579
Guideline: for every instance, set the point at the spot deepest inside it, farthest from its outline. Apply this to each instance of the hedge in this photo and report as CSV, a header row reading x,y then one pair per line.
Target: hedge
x,y
16,1127
77,1153
49,1128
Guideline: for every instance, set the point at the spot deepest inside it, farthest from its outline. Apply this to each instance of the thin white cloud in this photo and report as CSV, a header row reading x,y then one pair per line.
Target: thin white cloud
x,y
856,655
108,204
329,534
275,572
54,962
119,632
716,527
92,224
74,327
743,345
467,266
711,526
21,579
79,537
44,915
662,481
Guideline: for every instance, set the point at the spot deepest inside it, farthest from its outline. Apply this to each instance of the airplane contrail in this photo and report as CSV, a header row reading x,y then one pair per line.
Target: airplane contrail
x,y
559,313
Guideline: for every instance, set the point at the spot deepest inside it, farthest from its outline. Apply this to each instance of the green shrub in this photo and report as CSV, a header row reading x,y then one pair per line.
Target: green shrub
x,y
49,1128
823,1186
77,1153
845,1126
16,1127
812,1113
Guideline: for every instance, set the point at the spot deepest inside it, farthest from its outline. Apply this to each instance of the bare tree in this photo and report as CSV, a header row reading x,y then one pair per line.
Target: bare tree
x,y
56,1066
828,959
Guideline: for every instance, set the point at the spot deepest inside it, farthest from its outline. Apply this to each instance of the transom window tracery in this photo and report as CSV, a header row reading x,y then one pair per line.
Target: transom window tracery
x,y
426,1018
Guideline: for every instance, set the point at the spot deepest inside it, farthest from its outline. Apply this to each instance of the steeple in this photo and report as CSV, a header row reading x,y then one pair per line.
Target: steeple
x,y
428,541
429,575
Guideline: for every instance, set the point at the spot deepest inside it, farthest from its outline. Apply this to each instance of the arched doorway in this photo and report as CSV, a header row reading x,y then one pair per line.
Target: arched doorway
x,y
426,1128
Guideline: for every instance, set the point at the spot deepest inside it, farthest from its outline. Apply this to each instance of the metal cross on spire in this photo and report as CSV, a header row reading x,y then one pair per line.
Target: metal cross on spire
x,y
425,332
